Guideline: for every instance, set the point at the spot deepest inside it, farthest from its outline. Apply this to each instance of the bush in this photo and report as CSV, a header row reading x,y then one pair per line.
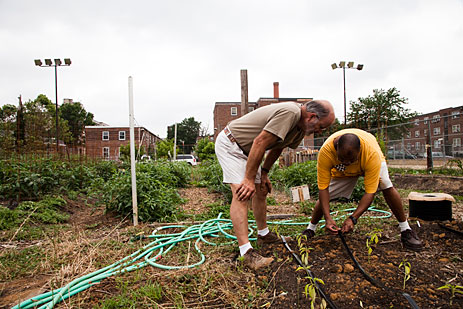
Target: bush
x,y
157,196
32,179
211,176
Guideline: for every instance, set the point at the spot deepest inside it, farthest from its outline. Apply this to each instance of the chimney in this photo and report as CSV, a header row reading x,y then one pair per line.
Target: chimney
x,y
276,90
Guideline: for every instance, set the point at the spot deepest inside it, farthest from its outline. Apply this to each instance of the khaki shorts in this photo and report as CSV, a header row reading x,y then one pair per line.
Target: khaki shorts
x,y
232,160
343,187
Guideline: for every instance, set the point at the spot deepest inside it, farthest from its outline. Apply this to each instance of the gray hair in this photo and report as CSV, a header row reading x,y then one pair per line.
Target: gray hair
x,y
318,108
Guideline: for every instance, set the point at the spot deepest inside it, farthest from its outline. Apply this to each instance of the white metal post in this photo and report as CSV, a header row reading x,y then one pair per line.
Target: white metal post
x,y
132,155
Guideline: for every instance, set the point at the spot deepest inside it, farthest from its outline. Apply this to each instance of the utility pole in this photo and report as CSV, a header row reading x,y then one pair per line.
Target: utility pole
x,y
244,92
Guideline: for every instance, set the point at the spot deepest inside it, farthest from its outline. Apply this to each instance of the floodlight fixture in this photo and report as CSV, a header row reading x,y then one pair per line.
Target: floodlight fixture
x,y
49,63
342,65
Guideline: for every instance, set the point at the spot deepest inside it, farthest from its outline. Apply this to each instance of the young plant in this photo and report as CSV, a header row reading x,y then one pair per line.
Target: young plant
x,y
453,289
310,289
303,250
276,230
407,268
373,239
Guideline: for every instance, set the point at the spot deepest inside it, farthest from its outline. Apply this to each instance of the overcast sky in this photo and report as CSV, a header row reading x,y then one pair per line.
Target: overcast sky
x,y
185,55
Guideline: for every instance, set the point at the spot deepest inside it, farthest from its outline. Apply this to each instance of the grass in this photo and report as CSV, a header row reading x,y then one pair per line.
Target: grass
x,y
19,262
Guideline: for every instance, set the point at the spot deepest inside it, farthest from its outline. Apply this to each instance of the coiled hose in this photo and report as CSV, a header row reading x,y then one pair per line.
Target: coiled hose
x,y
154,251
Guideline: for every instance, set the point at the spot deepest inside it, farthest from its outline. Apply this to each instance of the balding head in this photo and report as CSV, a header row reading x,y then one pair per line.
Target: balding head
x,y
348,148
316,116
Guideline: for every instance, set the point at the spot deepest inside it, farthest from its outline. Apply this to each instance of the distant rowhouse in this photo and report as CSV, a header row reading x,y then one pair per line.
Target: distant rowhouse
x,y
105,141
445,130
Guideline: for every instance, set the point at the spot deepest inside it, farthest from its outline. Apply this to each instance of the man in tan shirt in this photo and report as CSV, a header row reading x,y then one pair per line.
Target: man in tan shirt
x,y
240,148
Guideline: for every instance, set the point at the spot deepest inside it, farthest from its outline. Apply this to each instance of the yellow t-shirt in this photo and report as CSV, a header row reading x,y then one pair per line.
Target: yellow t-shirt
x,y
368,164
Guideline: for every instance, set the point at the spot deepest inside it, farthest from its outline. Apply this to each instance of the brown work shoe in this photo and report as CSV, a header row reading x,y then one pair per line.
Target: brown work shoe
x,y
309,233
254,260
410,240
270,238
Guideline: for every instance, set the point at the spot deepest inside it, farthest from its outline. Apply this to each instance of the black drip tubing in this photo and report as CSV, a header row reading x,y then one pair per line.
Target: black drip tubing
x,y
311,275
450,229
376,283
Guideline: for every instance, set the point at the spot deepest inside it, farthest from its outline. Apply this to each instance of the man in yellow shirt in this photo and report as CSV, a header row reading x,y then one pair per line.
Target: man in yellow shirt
x,y
346,155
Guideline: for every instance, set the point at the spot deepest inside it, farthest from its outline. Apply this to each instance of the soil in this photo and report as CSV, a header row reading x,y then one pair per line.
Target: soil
x,y
440,262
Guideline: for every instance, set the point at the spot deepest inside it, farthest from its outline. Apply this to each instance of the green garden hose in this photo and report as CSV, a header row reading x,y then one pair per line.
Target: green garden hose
x,y
151,253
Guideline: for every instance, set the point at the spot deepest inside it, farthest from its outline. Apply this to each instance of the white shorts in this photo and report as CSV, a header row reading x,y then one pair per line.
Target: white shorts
x,y
343,187
232,160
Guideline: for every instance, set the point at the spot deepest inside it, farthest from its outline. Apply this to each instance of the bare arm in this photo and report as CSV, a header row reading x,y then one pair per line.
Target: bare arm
x,y
247,188
364,203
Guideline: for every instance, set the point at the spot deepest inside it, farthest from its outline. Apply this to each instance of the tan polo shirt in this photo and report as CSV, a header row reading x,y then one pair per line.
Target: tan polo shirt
x,y
279,119
368,165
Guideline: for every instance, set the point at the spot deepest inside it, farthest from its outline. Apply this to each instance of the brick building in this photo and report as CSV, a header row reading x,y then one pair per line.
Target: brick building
x,y
105,141
224,112
445,129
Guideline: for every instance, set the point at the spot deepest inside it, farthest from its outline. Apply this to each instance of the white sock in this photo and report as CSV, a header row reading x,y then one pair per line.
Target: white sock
x,y
404,226
312,226
244,248
263,232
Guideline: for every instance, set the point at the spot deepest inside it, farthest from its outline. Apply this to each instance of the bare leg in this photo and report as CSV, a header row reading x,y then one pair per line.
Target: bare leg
x,y
259,206
239,217
394,202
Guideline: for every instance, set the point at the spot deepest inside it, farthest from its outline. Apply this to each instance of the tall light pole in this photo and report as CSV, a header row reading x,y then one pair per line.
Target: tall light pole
x,y
57,63
350,65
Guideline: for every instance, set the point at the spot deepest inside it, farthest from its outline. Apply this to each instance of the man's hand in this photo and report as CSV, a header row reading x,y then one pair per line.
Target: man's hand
x,y
265,184
331,226
246,190
347,226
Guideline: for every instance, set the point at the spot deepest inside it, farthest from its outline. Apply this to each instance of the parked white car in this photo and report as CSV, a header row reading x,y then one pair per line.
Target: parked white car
x,y
189,158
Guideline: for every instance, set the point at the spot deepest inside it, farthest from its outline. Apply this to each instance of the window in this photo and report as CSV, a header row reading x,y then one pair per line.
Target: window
x,y
426,119
234,111
417,133
106,153
457,142
408,135
409,146
250,109
425,132
435,119
437,143
417,122
436,131
417,145
122,135
455,128
455,115
105,135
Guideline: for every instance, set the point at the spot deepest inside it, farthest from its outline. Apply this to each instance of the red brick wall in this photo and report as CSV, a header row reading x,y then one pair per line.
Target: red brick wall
x,y
94,142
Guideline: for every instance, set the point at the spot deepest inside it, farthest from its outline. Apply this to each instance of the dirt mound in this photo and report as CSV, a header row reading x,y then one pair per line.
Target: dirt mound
x,y
432,183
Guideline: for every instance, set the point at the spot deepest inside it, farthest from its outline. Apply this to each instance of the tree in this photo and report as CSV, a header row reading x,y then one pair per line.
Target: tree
x,y
384,108
77,118
205,149
8,114
125,152
165,149
187,131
